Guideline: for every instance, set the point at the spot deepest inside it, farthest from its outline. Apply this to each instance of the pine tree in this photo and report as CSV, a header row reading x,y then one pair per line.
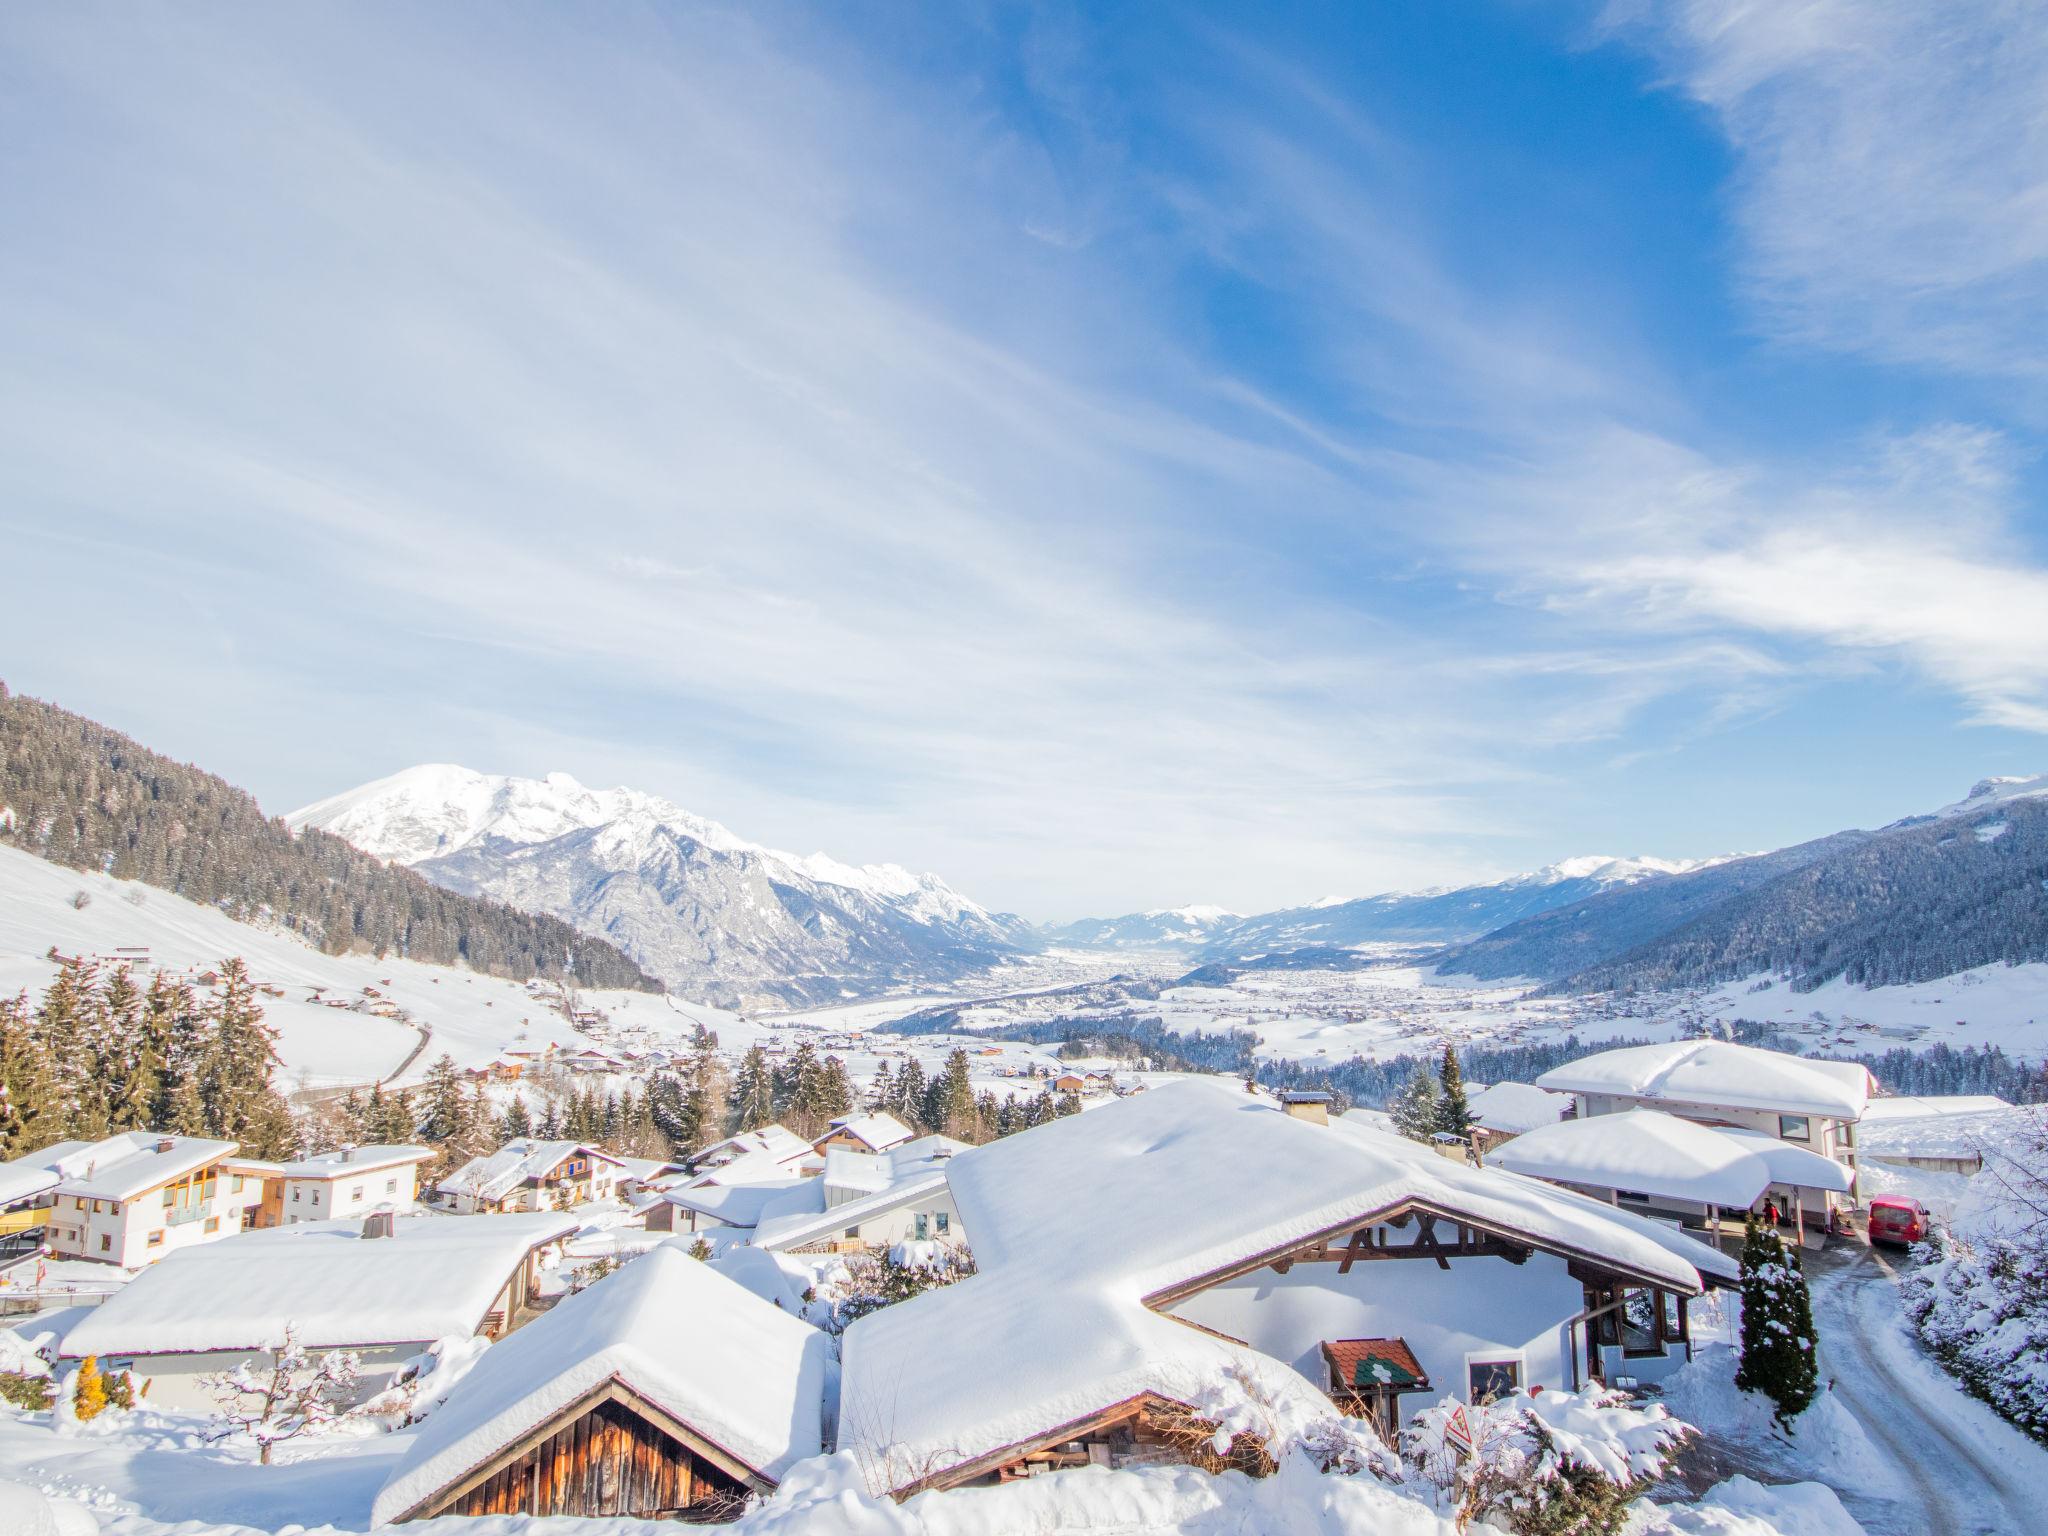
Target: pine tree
x,y
172,1014
61,1025
1415,1107
707,1093
949,1102
29,1119
910,1095
1453,1114
1778,1343
240,1103
754,1091
396,1125
882,1091
835,1089
518,1123
133,1089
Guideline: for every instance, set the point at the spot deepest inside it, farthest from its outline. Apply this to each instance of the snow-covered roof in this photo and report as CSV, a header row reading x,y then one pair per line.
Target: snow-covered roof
x,y
1790,1164
763,1273
737,1205
497,1174
880,1130
1189,1181
123,1166
434,1276
24,1181
339,1165
776,1143
801,1216
1647,1151
1719,1073
736,1371
1513,1108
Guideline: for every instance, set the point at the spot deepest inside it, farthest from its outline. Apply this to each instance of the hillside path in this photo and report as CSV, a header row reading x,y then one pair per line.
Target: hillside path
x,y
1965,1471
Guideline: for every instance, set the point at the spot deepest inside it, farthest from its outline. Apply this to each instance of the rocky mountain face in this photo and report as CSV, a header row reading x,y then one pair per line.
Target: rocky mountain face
x,y
711,914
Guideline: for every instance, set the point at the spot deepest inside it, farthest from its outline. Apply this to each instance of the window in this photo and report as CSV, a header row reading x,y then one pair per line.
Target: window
x,y
167,1194
213,1223
852,1232
923,1226
107,1242
1845,1133
945,1220
1491,1378
1639,1324
1794,1128
356,1193
295,1196
235,1185
156,1240
391,1186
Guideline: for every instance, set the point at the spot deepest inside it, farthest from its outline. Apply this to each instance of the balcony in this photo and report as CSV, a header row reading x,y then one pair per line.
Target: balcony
x,y
181,1215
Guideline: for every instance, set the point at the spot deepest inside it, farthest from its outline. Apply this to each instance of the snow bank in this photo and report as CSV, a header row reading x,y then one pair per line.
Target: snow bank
x,y
1743,1507
26,1511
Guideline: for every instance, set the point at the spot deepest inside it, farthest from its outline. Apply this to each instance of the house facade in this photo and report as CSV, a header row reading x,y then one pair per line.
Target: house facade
x,y
345,1184
529,1175
131,1199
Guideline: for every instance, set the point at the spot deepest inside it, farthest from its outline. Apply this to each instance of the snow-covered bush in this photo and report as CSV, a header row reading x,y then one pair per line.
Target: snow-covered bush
x,y
868,1282
295,1396
1542,1463
1237,1423
1981,1299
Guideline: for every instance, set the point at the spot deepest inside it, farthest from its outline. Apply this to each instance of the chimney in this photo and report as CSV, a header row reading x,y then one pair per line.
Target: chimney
x,y
380,1224
348,1153
1302,1104
166,1144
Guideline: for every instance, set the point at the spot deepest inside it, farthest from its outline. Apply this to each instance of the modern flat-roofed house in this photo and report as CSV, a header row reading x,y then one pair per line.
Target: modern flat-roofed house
x,y
1240,1240
1795,1099
385,1287
334,1185
131,1198
663,1390
864,1133
529,1175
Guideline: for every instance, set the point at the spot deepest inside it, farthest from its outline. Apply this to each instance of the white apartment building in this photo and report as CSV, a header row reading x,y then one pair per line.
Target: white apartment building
x,y
343,1184
132,1198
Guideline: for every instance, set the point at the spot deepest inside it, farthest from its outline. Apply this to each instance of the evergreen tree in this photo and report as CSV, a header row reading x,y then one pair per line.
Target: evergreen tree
x,y
1453,1114
1415,1108
910,1095
61,1026
28,1120
949,1102
518,1123
1778,1343
394,1124
835,1089
446,1119
707,1093
171,1013
137,1080
754,1091
882,1091
235,1089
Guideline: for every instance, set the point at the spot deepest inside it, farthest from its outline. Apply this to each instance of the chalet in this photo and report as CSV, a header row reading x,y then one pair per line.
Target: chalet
x,y
132,1198
1244,1239
331,1185
1070,1082
529,1175
864,1133
771,1146
663,1390
1795,1099
1659,1163
385,1287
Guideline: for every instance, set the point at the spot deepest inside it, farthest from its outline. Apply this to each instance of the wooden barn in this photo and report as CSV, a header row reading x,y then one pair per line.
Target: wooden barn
x,y
665,1390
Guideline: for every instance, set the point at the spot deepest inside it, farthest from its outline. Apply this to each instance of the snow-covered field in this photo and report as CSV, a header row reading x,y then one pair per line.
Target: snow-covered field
x,y
471,1017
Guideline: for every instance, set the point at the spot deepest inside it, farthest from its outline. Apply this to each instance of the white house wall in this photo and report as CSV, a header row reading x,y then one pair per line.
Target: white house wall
x,y
174,1380
1481,1307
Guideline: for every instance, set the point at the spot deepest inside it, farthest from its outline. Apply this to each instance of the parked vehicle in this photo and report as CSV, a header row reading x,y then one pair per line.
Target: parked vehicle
x,y
1897,1219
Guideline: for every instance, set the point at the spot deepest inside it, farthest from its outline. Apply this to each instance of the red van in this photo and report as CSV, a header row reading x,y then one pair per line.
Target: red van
x,y
1897,1219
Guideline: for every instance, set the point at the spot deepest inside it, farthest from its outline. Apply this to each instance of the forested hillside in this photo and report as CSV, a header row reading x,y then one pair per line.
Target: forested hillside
x,y
1907,904
78,794
1551,945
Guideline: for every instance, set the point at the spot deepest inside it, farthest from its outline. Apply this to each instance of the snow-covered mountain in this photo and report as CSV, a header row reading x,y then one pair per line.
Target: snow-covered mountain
x,y
1161,928
1445,915
709,913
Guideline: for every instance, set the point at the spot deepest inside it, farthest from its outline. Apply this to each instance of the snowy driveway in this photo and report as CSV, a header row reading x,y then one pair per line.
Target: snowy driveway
x,y
1964,1471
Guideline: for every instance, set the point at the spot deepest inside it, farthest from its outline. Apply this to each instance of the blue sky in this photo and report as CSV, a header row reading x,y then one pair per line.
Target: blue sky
x,y
1113,456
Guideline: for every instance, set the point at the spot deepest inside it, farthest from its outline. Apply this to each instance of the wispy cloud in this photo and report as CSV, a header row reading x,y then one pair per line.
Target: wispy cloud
x,y
1892,178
